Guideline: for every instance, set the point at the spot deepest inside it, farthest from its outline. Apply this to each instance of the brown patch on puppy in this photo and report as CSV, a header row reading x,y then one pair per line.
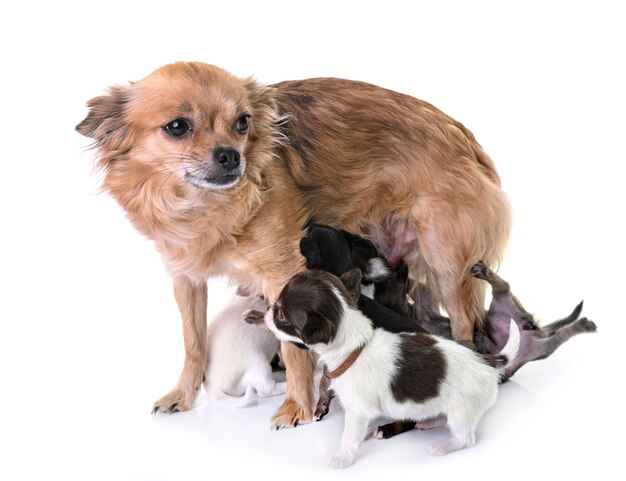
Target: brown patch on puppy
x,y
422,368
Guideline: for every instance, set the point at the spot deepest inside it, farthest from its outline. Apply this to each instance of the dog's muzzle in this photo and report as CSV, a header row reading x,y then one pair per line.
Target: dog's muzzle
x,y
221,171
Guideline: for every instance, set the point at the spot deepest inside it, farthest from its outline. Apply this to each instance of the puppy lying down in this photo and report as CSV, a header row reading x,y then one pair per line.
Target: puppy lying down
x,y
377,373
240,355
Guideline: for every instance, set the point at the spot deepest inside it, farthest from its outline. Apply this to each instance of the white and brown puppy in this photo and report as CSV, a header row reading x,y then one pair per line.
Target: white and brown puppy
x,y
377,373
240,355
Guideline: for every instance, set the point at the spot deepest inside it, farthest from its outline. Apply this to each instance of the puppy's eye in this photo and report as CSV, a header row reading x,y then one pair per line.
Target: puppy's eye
x,y
177,127
242,124
281,316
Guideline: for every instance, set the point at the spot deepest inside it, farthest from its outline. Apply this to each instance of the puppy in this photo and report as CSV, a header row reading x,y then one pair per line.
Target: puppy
x,y
239,356
377,373
223,173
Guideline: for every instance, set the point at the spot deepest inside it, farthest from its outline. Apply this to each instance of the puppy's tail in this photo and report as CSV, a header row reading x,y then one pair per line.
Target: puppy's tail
x,y
220,397
509,352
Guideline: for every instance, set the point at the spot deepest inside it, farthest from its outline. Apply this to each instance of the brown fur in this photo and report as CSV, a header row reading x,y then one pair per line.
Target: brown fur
x,y
347,154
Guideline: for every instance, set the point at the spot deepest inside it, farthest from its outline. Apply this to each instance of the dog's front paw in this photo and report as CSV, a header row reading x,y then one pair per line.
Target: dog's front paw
x,y
290,415
173,402
340,461
323,406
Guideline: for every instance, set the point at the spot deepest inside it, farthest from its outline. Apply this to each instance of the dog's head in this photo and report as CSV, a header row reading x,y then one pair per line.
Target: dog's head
x,y
189,126
311,305
338,251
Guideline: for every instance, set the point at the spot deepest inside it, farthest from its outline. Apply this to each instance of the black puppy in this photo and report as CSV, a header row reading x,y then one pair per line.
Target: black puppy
x,y
337,252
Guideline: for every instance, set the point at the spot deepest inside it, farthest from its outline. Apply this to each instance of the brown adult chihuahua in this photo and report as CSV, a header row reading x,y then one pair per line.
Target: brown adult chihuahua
x,y
223,174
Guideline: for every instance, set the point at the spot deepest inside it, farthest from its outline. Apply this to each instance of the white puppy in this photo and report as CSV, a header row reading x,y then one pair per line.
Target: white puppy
x,y
376,373
240,355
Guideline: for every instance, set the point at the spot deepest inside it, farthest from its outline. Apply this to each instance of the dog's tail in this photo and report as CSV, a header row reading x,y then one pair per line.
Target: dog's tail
x,y
220,397
509,352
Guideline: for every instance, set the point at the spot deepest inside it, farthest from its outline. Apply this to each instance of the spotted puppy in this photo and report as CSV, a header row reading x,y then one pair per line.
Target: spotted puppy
x,y
377,373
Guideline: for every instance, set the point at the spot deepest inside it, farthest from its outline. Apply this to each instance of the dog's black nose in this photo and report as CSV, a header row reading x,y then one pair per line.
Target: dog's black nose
x,y
229,159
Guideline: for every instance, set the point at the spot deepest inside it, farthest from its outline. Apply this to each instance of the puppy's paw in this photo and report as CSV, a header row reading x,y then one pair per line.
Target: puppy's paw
x,y
291,415
173,402
441,448
586,325
340,461
323,406
480,270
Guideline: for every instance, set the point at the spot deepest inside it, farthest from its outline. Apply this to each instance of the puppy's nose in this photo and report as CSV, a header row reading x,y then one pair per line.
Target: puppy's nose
x,y
229,159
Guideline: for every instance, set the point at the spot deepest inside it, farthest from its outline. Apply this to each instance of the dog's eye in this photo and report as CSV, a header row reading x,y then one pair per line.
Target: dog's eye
x,y
242,124
281,316
177,127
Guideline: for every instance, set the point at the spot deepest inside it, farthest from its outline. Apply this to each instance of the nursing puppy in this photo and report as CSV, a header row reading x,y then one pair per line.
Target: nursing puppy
x,y
223,173
239,356
337,252
376,373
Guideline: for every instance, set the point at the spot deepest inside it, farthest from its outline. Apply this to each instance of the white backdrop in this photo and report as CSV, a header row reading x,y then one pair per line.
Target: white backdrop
x,y
90,334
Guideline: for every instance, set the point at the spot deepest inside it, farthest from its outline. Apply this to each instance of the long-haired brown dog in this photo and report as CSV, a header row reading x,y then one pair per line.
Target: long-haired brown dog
x,y
223,174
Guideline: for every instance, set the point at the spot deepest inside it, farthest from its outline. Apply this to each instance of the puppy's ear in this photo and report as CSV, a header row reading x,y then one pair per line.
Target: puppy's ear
x,y
311,252
352,281
253,317
318,329
378,270
105,121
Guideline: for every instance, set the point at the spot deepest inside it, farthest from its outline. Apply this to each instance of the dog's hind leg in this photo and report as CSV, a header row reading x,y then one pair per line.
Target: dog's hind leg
x,y
539,347
463,436
453,231
555,326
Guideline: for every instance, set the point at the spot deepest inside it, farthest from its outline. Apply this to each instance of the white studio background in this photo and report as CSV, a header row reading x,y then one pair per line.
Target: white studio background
x,y
89,330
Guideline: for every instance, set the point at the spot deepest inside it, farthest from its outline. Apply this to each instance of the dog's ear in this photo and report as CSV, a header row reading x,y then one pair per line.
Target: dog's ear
x,y
105,121
378,270
318,329
265,117
253,317
352,281
311,252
